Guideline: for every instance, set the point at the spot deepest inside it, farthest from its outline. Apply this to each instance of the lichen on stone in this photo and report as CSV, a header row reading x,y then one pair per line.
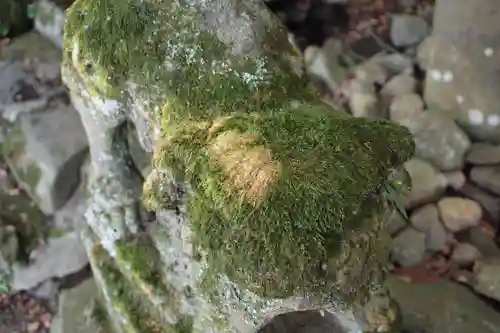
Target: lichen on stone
x,y
278,193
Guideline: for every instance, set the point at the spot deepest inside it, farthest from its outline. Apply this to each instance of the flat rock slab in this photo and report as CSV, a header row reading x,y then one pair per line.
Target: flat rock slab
x,y
60,257
443,307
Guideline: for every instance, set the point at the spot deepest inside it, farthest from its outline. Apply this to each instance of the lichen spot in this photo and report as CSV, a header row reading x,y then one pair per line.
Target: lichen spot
x,y
493,120
447,76
248,168
488,52
476,117
436,75
460,99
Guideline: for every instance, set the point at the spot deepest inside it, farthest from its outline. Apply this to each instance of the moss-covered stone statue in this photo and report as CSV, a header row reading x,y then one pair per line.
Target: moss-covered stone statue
x,y
267,200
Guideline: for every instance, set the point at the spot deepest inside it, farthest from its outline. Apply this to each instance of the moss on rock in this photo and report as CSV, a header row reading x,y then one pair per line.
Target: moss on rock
x,y
277,193
140,315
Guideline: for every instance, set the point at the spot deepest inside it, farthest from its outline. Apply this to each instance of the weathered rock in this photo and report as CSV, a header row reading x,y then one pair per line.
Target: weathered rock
x,y
408,30
489,202
458,213
362,100
408,247
401,84
428,184
484,242
444,306
74,307
487,177
486,273
396,223
462,65
71,216
456,179
426,219
484,154
56,159
405,108
60,257
49,19
465,254
371,72
439,140
394,63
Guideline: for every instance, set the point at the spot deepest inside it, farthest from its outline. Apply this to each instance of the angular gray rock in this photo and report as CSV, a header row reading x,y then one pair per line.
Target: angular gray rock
x,y
399,85
407,30
56,142
60,257
49,20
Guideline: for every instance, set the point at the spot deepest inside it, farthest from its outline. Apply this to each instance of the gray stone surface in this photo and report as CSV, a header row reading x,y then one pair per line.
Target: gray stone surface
x,y
462,61
60,257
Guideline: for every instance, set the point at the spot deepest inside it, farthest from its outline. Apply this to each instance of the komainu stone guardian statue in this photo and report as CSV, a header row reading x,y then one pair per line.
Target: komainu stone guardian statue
x,y
267,201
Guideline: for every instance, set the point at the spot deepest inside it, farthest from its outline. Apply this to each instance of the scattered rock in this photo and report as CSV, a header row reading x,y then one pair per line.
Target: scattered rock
x,y
49,20
371,72
399,85
426,220
58,157
405,108
439,140
394,63
483,242
458,213
60,257
408,247
428,184
487,177
441,307
408,30
396,223
363,101
465,254
74,304
488,201
486,273
456,179
484,154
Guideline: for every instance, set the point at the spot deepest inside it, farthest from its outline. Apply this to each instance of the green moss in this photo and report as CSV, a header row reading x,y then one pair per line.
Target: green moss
x,y
141,315
120,40
143,263
99,318
276,193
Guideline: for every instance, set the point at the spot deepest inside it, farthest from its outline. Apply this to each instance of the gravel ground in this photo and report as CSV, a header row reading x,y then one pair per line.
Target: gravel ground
x,y
21,312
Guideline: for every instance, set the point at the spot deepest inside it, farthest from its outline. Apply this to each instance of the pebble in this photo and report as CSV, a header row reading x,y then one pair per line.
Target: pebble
x,y
396,223
459,213
456,179
400,84
363,101
465,254
486,273
428,184
426,220
487,177
408,248
489,202
394,63
483,242
404,108
484,154
371,72
407,30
